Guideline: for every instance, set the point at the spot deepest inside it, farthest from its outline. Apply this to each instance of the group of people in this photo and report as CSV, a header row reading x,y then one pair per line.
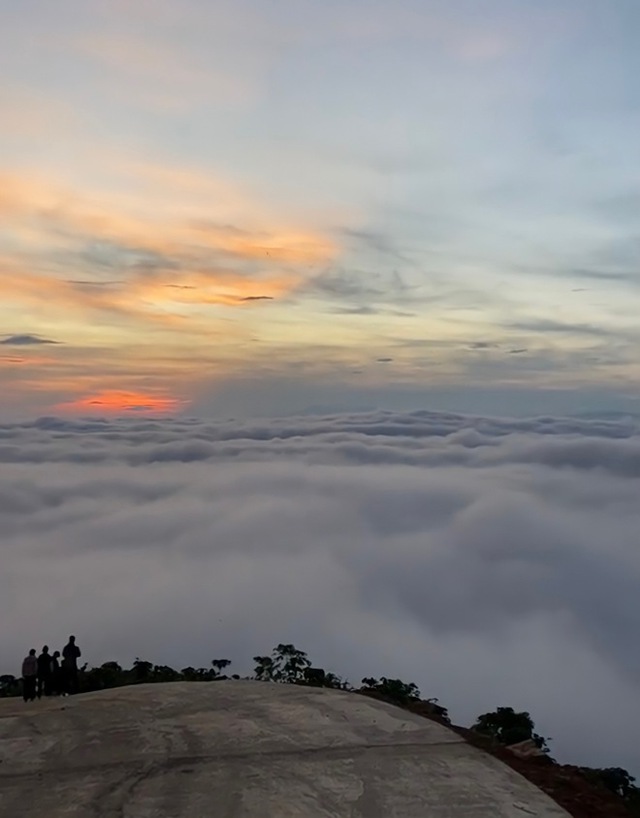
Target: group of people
x,y
48,675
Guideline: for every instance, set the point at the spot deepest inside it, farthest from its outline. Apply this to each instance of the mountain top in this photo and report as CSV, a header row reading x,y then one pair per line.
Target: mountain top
x,y
242,749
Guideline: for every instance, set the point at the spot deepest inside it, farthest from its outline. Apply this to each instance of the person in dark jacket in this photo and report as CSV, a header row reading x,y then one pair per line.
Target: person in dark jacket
x,y
29,676
56,674
44,673
70,655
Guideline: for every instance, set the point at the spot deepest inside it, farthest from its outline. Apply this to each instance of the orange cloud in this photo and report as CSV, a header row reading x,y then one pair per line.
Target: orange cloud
x,y
204,212
114,402
148,219
156,255
23,195
224,288
125,269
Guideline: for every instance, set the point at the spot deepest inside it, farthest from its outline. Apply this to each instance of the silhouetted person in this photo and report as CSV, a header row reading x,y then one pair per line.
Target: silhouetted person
x,y
44,673
70,655
56,674
29,676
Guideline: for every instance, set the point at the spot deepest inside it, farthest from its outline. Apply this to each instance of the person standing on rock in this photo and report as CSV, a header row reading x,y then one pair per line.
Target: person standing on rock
x,y
29,676
56,674
44,673
70,655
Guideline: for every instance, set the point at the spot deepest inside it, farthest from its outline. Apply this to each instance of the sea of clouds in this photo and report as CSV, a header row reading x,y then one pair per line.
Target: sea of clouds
x,y
491,561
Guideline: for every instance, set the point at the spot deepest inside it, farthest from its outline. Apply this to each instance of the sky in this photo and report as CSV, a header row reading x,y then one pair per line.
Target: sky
x,y
264,208
282,285
493,562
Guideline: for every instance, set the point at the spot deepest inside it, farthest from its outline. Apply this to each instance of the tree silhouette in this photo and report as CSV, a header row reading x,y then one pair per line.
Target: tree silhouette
x,y
507,726
142,670
9,686
220,664
318,677
615,779
264,669
286,664
291,663
393,689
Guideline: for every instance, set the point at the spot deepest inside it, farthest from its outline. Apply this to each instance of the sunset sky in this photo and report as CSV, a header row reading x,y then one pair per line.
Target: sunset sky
x,y
247,207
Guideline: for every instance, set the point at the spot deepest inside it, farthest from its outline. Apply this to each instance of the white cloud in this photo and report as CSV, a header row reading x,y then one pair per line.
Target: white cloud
x,y
492,561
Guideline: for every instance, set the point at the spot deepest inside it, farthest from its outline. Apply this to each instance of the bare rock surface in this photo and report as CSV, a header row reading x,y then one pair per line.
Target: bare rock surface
x,y
242,749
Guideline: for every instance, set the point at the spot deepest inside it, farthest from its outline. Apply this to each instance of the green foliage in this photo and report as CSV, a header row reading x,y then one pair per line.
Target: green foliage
x,y
318,677
286,664
335,682
507,726
265,668
111,674
439,710
632,800
614,779
9,686
393,689
142,670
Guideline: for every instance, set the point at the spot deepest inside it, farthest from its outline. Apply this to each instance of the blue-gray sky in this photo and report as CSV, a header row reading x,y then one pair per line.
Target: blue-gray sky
x,y
214,207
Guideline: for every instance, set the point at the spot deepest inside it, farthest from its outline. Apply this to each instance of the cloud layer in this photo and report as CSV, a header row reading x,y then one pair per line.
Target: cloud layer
x,y
492,561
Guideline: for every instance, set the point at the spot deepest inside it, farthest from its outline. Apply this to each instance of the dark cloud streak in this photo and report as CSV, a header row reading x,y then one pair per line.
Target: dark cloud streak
x,y
26,340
